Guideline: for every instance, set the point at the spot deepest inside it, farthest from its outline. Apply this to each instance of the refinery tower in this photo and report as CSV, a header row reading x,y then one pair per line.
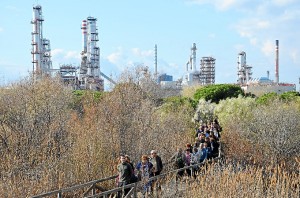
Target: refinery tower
x,y
89,74
41,51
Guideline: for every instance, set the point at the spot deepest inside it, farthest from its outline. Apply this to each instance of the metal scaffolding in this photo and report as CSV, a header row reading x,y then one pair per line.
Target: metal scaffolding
x,y
207,70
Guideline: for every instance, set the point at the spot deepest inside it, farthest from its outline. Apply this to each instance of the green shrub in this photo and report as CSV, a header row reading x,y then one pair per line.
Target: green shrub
x,y
215,93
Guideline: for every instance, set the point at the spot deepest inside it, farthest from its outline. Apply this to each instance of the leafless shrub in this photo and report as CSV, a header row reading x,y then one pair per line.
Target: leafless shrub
x,y
248,182
265,134
33,116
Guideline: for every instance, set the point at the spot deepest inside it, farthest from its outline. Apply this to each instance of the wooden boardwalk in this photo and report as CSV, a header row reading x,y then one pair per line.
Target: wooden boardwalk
x,y
169,186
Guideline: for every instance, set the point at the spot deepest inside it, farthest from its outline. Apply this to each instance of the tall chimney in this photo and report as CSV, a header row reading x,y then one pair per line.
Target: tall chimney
x,y
277,62
155,60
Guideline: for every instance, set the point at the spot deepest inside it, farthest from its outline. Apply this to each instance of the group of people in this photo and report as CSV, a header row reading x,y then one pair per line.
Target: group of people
x,y
146,168
205,147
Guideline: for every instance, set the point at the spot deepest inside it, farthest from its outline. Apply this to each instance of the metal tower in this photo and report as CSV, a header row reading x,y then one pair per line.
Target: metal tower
x,y
244,70
41,51
89,75
207,70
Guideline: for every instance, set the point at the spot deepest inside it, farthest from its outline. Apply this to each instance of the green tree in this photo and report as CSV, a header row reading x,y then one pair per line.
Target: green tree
x,y
215,93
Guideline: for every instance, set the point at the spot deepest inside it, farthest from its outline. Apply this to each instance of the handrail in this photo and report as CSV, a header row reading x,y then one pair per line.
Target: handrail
x,y
60,191
133,185
92,183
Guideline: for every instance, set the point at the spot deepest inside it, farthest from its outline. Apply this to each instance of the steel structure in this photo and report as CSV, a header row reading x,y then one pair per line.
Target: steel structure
x,y
244,70
68,74
207,70
277,62
192,77
41,51
89,74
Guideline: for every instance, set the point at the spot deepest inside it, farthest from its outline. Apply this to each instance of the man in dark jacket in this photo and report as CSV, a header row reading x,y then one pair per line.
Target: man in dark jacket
x,y
125,174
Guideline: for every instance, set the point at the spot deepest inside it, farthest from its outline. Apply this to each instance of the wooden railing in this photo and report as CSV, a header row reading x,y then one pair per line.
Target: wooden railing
x,y
93,185
134,187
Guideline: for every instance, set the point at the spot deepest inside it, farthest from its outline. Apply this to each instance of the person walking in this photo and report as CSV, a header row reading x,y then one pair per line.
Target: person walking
x,y
144,169
179,158
124,175
157,163
157,168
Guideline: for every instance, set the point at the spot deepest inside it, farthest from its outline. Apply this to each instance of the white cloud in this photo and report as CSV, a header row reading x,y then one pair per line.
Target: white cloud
x,y
72,55
142,53
56,52
1,29
289,15
283,2
12,8
253,41
220,4
294,54
268,48
61,56
114,57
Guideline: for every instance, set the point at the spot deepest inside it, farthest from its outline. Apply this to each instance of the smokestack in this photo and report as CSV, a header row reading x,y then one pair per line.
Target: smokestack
x,y
268,74
155,60
193,57
277,62
84,35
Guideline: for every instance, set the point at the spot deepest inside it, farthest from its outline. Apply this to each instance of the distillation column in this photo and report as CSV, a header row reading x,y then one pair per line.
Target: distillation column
x,y
41,51
89,76
244,71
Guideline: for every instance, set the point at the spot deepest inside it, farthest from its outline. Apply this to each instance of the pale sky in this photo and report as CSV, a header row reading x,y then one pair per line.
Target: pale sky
x,y
129,29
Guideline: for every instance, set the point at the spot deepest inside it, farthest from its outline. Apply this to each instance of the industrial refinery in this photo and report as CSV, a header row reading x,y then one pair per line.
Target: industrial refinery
x,y
88,75
261,85
41,50
205,75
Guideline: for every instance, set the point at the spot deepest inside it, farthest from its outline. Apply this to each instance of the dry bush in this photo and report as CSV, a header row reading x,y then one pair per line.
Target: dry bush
x,y
45,145
230,181
34,139
275,127
127,121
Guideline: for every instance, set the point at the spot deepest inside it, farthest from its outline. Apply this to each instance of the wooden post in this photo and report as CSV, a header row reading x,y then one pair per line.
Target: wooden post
x,y
93,190
134,190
